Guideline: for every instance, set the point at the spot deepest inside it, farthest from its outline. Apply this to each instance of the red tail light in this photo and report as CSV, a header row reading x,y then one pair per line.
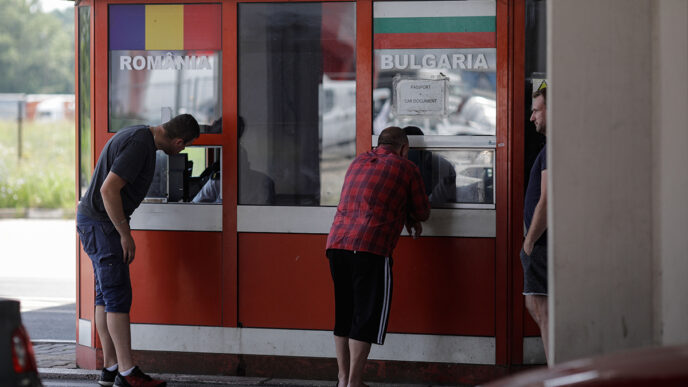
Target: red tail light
x,y
22,352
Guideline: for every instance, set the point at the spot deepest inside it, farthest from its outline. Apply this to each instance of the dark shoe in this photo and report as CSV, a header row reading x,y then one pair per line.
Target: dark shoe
x,y
137,379
107,378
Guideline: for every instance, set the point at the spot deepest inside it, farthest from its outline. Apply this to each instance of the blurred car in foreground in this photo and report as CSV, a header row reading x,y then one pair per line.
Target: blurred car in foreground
x,y
17,361
661,366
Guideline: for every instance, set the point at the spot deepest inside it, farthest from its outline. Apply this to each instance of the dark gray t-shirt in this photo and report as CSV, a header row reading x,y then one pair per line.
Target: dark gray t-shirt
x,y
130,154
533,192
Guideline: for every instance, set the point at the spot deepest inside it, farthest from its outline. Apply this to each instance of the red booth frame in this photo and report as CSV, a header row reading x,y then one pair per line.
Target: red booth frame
x,y
218,287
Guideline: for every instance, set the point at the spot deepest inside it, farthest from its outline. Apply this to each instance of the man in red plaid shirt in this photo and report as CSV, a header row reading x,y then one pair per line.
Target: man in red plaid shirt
x,y
382,192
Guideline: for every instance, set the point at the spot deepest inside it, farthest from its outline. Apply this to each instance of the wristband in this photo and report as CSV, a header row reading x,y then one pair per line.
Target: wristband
x,y
120,222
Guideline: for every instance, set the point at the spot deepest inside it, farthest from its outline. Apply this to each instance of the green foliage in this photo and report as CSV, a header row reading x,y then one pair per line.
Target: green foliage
x,y
44,177
36,49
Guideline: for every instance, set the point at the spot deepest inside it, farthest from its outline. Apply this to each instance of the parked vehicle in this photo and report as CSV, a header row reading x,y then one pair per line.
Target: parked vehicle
x,y
17,360
661,366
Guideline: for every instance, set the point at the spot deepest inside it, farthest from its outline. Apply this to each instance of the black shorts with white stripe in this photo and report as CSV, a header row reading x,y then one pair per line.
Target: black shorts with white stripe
x,y
362,294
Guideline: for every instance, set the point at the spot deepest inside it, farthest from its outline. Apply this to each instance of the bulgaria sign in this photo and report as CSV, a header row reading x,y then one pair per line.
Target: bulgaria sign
x,y
456,61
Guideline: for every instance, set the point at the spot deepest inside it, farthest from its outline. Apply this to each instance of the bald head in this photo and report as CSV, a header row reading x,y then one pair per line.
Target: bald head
x,y
393,136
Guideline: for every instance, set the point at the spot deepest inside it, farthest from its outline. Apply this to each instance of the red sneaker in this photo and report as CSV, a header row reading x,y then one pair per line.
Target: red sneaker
x,y
137,379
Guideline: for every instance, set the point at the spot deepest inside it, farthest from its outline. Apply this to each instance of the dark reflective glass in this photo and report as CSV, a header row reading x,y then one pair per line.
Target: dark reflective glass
x,y
153,86
297,102
194,175
536,72
456,178
84,99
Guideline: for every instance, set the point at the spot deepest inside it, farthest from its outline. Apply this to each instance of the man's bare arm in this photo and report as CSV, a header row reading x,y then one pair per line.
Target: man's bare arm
x,y
112,199
539,223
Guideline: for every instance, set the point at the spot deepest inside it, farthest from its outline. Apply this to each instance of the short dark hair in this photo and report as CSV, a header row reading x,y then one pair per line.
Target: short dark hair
x,y
183,126
413,131
541,92
393,136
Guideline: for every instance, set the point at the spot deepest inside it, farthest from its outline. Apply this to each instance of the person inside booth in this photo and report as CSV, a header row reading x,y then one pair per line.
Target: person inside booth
x,y
255,187
439,175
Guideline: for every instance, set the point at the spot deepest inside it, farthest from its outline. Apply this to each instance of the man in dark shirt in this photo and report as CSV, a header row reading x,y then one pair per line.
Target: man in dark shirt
x,y
382,192
120,181
534,252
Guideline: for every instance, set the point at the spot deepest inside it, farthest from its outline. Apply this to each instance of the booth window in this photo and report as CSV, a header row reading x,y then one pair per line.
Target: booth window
x,y
435,73
456,178
535,75
165,60
192,176
297,102
84,36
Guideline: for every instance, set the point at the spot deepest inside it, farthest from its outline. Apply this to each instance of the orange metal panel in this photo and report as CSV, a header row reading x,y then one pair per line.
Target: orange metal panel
x,y
284,281
434,40
85,295
516,192
229,163
444,286
99,103
177,278
86,289
504,75
364,75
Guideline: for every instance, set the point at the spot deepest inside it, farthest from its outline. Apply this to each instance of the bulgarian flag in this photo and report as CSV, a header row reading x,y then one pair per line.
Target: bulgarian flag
x,y
436,24
165,27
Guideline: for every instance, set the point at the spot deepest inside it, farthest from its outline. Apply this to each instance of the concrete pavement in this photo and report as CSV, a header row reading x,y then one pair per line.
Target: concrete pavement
x,y
57,366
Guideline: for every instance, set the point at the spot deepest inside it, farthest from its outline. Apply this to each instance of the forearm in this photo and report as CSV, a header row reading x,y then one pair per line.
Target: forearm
x,y
420,211
115,211
538,226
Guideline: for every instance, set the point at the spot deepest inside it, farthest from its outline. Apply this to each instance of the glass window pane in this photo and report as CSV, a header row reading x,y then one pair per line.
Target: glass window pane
x,y
159,68
535,74
457,178
297,102
153,86
444,91
194,175
84,99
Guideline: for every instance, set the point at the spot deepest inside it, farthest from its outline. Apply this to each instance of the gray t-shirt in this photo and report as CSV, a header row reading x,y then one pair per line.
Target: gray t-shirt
x,y
130,154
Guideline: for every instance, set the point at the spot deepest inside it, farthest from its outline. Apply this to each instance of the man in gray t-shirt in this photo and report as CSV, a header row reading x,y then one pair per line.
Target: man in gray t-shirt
x,y
534,251
120,181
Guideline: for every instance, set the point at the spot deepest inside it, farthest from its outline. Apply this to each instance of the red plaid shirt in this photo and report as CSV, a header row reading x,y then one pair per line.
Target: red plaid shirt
x,y
381,191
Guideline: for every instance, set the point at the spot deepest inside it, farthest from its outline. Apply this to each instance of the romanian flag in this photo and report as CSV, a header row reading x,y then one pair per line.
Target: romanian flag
x,y
165,27
436,24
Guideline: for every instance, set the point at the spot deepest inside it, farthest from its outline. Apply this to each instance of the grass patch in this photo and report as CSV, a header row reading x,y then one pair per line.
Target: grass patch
x,y
44,177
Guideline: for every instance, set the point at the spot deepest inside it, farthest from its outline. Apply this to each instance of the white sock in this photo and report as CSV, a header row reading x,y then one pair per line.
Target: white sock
x,y
127,372
113,368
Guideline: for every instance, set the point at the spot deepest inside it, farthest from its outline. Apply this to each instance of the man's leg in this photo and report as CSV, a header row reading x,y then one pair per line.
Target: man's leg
x,y
537,306
118,326
109,353
342,346
341,278
359,351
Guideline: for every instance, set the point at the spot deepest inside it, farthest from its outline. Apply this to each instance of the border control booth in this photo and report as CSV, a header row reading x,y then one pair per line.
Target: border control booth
x,y
231,275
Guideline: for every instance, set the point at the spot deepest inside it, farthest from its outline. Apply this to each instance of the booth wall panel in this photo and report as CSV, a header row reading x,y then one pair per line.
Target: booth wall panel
x,y
444,286
86,287
530,327
441,285
284,281
177,278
